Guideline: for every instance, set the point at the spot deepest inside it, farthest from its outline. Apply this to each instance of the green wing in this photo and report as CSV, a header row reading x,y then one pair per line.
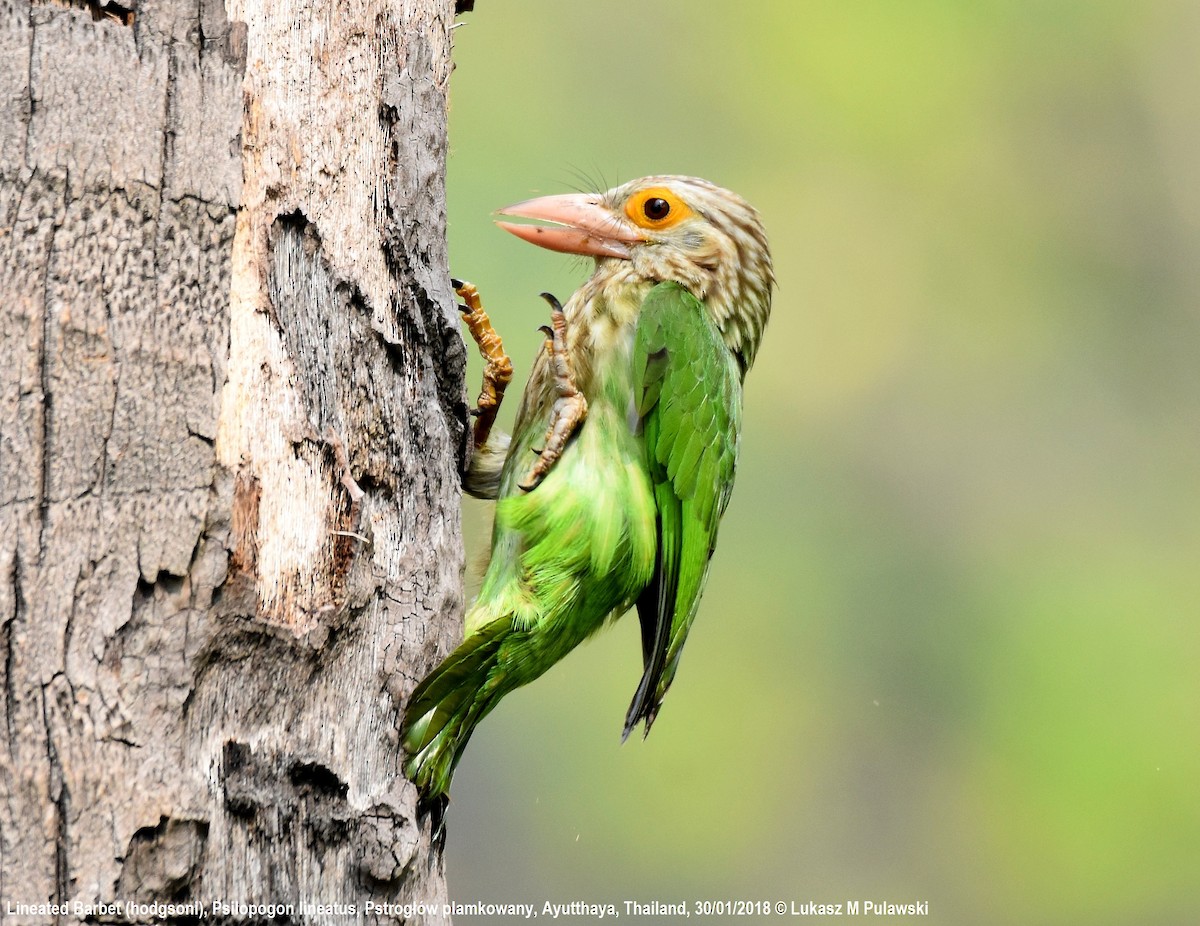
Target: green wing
x,y
689,406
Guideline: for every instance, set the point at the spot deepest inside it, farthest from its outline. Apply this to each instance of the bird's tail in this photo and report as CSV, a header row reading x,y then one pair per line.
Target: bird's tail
x,y
446,706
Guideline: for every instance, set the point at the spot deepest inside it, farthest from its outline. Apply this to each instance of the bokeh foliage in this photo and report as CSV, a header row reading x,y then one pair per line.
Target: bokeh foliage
x,y
949,649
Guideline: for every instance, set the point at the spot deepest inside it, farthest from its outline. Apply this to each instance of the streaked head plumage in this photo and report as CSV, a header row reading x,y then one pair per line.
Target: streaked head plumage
x,y
668,227
709,240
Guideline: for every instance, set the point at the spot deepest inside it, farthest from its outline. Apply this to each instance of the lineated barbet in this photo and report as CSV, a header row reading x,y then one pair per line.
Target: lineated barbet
x,y
623,454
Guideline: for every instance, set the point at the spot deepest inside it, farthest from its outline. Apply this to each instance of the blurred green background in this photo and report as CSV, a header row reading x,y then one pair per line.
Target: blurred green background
x,y
949,648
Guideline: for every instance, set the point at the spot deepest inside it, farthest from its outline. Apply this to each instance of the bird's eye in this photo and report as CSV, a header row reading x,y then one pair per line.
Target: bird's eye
x,y
656,208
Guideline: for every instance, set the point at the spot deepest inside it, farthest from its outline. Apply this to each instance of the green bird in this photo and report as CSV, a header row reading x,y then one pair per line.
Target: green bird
x,y
622,458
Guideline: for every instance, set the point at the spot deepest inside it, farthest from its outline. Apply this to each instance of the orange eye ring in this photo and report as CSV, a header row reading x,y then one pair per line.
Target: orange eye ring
x,y
656,208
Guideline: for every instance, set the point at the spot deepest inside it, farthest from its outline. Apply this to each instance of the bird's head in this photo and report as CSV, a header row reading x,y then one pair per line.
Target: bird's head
x,y
667,228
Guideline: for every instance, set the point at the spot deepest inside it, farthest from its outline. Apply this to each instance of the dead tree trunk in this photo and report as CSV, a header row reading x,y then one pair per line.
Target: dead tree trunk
x,y
231,422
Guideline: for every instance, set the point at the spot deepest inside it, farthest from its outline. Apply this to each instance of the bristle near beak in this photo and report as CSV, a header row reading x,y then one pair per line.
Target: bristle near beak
x,y
582,226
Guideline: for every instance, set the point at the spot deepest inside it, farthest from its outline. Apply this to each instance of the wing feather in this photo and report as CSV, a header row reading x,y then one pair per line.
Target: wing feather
x,y
690,416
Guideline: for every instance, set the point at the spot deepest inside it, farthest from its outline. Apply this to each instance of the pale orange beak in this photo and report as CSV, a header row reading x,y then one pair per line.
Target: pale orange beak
x,y
582,225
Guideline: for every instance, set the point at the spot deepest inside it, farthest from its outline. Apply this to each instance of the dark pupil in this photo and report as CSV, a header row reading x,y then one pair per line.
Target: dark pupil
x,y
657,209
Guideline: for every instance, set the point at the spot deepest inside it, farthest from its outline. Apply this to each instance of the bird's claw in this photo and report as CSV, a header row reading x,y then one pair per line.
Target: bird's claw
x,y
498,369
570,407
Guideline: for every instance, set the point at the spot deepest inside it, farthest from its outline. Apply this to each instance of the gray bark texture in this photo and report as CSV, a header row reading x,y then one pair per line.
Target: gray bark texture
x,y
232,419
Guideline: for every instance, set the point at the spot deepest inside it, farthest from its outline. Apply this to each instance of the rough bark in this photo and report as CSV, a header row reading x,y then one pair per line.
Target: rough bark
x,y
226,310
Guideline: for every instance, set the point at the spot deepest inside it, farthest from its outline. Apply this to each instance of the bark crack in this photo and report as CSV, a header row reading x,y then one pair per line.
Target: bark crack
x,y
47,398
29,86
10,647
69,624
106,438
60,797
168,133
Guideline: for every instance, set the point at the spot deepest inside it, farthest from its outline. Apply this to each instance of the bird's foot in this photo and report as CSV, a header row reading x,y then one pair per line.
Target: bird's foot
x,y
570,407
498,369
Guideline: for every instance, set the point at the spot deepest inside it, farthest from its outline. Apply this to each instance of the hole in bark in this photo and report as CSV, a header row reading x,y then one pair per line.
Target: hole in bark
x,y
296,221
170,584
372,486
235,756
114,12
318,777
238,780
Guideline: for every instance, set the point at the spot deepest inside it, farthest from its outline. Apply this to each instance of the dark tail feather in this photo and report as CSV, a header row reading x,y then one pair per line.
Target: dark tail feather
x,y
435,809
445,708
655,629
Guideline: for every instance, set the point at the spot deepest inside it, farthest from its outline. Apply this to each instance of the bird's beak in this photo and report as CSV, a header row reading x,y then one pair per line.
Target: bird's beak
x,y
582,225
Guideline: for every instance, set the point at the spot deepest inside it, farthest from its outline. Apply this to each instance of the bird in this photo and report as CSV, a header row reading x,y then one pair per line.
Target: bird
x,y
621,462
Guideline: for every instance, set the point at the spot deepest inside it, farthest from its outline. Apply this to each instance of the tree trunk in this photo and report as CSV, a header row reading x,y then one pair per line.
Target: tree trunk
x,y
231,422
